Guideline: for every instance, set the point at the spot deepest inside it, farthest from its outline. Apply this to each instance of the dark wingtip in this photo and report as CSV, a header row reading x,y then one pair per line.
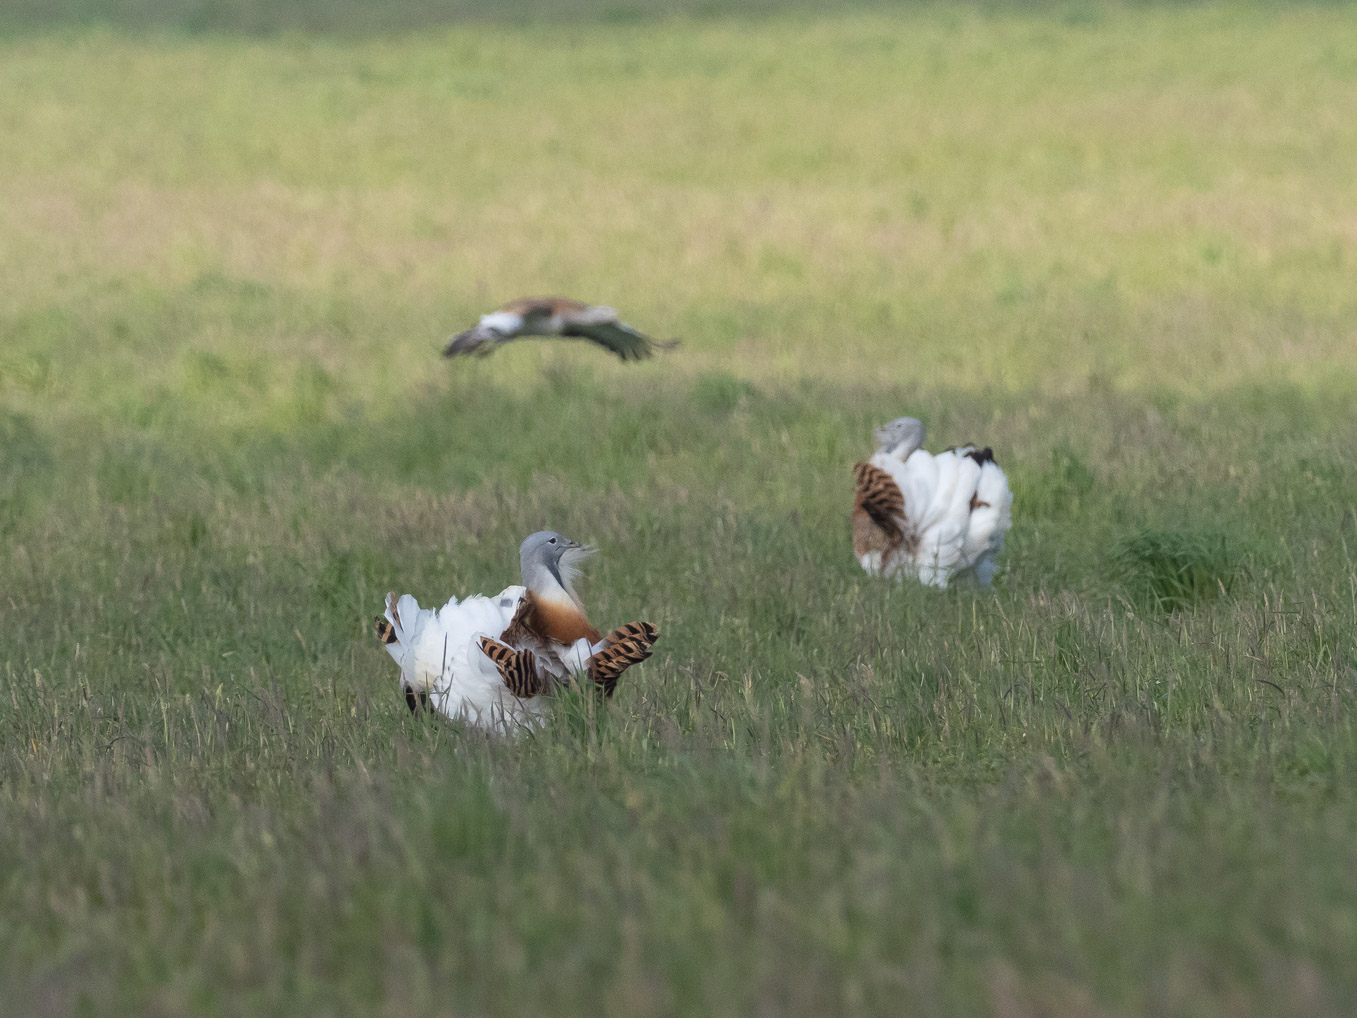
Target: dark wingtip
x,y
982,456
643,351
646,349
462,343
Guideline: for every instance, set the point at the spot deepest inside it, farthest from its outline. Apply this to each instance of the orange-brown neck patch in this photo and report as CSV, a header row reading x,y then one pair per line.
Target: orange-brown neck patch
x,y
559,621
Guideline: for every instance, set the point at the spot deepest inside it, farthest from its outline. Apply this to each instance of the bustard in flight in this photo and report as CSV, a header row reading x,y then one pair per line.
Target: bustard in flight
x,y
496,661
554,316
931,517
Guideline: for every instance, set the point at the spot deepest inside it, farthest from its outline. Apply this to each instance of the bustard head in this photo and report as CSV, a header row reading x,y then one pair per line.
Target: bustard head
x,y
549,559
900,437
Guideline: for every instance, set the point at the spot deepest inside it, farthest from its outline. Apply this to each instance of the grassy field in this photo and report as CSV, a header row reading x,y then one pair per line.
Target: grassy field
x,y
1117,244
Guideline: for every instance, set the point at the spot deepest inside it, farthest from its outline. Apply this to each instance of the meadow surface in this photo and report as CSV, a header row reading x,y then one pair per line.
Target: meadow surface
x,y
1117,244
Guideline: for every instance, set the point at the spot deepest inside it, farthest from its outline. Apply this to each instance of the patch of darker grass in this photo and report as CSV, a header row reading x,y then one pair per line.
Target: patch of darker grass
x,y
1174,569
25,463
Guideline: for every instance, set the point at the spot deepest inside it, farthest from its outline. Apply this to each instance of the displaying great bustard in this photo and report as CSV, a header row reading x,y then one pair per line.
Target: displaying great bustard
x,y
931,517
496,661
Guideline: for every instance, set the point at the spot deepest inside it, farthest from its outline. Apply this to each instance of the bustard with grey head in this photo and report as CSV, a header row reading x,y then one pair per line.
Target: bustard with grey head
x,y
932,517
496,661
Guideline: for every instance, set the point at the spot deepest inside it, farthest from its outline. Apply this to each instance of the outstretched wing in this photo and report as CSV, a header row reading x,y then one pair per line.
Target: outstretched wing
x,y
621,339
624,646
473,341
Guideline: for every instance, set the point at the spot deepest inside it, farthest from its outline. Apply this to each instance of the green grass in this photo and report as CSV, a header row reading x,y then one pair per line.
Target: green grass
x,y
1116,244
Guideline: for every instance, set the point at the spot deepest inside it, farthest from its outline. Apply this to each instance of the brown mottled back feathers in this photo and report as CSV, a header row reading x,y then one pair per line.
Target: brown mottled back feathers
x,y
544,307
626,645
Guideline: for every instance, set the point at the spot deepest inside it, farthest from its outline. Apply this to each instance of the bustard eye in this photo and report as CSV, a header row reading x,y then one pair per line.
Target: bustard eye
x,y
551,540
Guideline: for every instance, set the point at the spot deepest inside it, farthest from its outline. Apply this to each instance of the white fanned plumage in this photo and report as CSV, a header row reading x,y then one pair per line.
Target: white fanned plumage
x,y
933,517
441,661
494,662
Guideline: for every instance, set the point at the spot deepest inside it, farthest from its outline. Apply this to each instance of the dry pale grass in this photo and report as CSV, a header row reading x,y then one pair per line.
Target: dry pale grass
x,y
1159,200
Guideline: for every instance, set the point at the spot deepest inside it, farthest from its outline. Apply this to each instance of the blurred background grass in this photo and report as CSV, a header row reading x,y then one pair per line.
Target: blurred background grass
x,y
352,17
1114,242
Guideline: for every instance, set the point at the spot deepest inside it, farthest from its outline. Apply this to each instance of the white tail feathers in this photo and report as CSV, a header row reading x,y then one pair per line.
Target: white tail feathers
x,y
576,657
991,516
407,623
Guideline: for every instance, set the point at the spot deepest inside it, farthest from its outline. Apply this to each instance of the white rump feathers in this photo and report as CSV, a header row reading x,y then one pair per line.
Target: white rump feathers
x,y
439,655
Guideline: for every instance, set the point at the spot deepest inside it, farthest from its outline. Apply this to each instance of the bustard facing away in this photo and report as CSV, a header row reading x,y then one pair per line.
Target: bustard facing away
x,y
495,661
554,316
931,517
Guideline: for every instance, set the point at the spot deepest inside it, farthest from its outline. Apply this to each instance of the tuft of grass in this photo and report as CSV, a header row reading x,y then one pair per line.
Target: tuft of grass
x,y
1177,568
25,463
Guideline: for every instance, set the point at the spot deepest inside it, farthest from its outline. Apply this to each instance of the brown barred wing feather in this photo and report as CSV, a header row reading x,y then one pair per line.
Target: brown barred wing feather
x,y
878,513
624,646
387,629
518,668
879,497
520,629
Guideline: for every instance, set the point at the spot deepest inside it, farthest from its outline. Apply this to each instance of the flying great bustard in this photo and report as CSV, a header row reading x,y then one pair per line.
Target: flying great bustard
x,y
932,517
495,661
554,316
